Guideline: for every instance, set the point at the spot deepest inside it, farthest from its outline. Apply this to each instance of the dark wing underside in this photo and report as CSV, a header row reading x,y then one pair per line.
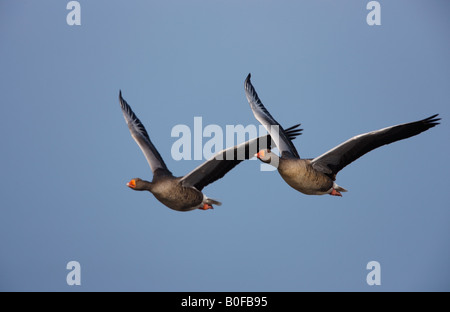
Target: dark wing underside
x,y
337,158
225,160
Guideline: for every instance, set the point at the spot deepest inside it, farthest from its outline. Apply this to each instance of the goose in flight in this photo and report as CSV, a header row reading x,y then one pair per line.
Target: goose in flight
x,y
317,176
185,193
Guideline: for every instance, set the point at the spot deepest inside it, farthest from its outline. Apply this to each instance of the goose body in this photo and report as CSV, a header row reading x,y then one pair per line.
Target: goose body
x,y
317,176
185,193
300,175
169,191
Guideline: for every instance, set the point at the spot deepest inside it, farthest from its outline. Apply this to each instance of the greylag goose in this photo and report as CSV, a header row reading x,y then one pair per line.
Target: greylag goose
x,y
185,193
317,176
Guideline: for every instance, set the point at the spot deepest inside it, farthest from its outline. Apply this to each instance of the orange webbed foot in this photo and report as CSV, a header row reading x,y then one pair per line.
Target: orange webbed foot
x,y
206,207
335,193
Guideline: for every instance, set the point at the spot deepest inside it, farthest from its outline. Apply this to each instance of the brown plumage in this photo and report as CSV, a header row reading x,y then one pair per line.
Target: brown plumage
x,y
316,176
312,181
300,174
169,191
185,193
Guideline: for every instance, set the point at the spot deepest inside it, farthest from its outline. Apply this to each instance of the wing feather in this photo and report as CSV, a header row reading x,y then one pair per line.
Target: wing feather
x,y
142,138
284,144
224,161
337,158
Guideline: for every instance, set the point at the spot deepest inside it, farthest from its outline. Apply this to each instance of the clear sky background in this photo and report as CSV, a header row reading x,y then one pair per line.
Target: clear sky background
x,y
67,153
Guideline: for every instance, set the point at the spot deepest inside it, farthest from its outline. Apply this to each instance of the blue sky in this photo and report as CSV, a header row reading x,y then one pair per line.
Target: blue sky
x,y
67,153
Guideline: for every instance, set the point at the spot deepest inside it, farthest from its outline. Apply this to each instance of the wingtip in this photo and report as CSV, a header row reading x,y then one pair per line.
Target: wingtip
x,y
433,120
248,77
294,127
122,102
433,116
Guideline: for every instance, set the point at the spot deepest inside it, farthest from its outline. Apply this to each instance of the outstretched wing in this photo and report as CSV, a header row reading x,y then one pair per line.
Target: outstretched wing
x,y
277,132
141,137
337,158
225,160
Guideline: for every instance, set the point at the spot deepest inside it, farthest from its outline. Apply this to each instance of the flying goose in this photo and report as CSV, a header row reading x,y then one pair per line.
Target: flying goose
x,y
184,193
316,176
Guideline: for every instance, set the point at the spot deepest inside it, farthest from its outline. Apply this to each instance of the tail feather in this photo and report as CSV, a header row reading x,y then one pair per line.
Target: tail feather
x,y
339,188
211,201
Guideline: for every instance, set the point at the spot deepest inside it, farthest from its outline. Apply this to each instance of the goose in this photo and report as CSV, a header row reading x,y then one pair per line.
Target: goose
x,y
317,176
185,193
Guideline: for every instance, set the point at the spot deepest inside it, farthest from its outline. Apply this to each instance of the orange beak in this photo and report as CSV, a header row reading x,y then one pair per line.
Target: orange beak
x,y
132,183
260,154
